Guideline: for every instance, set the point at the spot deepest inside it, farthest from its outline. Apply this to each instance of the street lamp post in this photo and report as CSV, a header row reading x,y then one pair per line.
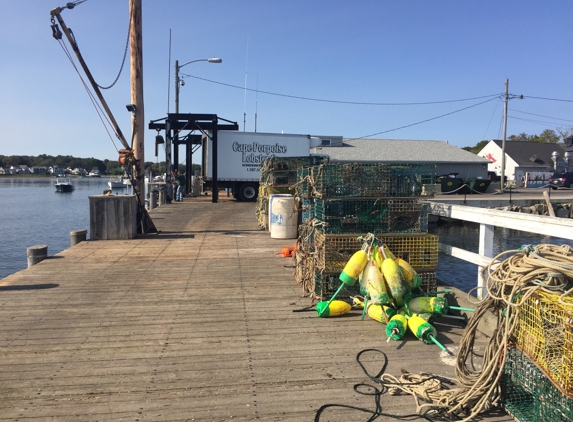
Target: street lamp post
x,y
178,83
555,158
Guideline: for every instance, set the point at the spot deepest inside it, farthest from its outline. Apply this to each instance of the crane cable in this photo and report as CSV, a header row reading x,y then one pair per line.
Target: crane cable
x,y
97,106
124,56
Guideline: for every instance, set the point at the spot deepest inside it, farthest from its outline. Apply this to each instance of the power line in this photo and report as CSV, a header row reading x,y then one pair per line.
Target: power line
x,y
548,99
540,115
554,124
425,121
337,101
490,119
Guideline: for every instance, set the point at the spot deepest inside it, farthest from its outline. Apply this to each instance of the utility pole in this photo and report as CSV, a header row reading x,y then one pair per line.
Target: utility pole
x,y
506,99
137,116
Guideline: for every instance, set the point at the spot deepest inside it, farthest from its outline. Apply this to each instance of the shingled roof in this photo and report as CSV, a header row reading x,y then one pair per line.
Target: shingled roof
x,y
531,154
398,150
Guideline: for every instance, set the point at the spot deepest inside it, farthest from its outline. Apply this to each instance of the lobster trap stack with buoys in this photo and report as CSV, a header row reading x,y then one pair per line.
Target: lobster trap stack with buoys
x,y
332,253
342,201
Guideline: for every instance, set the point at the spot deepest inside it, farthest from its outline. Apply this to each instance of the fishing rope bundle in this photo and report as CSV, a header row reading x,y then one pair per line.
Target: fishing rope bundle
x,y
509,283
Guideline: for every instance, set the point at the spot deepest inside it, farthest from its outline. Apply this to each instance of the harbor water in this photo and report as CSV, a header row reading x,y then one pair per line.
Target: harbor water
x,y
463,275
32,213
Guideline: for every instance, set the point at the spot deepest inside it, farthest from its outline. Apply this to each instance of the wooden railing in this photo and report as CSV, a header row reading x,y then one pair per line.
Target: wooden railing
x,y
488,219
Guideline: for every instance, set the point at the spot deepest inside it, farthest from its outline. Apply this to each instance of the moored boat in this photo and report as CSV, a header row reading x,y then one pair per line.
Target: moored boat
x,y
64,184
116,183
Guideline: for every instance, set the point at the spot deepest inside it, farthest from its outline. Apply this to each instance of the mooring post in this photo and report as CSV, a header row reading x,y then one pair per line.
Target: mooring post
x,y
36,254
77,236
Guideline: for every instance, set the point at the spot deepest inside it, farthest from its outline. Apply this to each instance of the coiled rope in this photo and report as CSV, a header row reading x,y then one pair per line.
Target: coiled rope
x,y
509,283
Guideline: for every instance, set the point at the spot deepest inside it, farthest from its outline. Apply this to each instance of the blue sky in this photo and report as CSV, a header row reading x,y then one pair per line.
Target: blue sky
x,y
390,52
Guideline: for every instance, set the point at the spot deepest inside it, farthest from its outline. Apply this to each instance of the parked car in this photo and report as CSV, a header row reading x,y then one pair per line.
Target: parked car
x,y
561,180
491,175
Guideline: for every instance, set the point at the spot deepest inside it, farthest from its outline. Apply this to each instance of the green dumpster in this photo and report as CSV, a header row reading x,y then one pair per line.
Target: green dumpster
x,y
478,185
451,184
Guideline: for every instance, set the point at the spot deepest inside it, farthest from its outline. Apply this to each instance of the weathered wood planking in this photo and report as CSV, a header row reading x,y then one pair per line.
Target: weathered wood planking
x,y
195,323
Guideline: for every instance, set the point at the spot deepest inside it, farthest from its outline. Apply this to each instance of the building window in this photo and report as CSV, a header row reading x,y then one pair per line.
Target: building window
x,y
325,142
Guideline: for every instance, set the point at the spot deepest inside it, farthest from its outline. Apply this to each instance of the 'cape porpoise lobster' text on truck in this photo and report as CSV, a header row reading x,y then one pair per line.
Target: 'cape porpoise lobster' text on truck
x,y
240,155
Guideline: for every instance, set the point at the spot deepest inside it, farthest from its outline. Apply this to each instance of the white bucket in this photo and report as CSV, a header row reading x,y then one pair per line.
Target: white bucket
x,y
271,198
283,218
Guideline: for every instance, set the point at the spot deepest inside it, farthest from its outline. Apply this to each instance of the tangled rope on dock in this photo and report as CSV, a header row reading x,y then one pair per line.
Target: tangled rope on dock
x,y
531,268
547,268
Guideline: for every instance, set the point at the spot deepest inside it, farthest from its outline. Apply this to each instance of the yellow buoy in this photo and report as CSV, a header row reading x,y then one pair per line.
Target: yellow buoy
x,y
410,275
396,328
335,308
375,285
432,305
354,267
422,329
388,252
364,276
380,313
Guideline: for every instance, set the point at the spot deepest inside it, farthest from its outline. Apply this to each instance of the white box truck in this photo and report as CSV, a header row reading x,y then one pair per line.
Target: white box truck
x,y
240,155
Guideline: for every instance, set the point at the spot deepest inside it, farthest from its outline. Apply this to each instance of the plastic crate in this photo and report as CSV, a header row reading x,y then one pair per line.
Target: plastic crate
x,y
545,333
528,394
334,250
369,215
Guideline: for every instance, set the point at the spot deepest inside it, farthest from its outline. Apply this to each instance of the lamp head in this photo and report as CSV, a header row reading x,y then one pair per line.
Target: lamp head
x,y
131,108
214,60
554,156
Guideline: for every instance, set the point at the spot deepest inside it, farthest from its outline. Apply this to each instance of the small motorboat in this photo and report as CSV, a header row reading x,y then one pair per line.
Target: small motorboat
x,y
116,183
64,184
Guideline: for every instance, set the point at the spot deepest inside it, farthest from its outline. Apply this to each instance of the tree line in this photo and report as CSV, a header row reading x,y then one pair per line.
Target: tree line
x,y
68,161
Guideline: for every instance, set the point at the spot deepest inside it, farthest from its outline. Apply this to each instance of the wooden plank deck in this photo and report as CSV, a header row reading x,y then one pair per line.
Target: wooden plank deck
x,y
193,324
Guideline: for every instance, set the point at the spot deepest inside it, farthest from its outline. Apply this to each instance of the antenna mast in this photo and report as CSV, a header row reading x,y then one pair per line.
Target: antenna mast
x,y
245,103
256,101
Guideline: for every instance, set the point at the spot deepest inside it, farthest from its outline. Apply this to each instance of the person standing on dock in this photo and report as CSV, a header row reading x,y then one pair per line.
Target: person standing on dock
x,y
181,180
173,185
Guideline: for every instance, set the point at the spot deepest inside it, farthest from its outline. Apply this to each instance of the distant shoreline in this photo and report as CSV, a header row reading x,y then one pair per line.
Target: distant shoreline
x,y
38,175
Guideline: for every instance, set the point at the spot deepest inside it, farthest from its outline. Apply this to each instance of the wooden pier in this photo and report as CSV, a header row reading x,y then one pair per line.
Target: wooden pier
x,y
197,323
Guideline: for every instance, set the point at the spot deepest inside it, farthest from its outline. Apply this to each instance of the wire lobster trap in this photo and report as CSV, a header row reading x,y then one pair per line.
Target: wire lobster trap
x,y
334,250
346,180
545,333
304,257
371,215
528,394
282,171
326,283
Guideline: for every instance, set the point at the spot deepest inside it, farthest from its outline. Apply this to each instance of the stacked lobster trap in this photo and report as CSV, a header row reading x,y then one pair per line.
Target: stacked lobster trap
x,y
278,176
343,201
537,376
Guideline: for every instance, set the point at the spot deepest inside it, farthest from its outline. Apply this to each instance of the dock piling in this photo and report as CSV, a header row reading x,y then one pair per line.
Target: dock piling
x,y
36,254
77,236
